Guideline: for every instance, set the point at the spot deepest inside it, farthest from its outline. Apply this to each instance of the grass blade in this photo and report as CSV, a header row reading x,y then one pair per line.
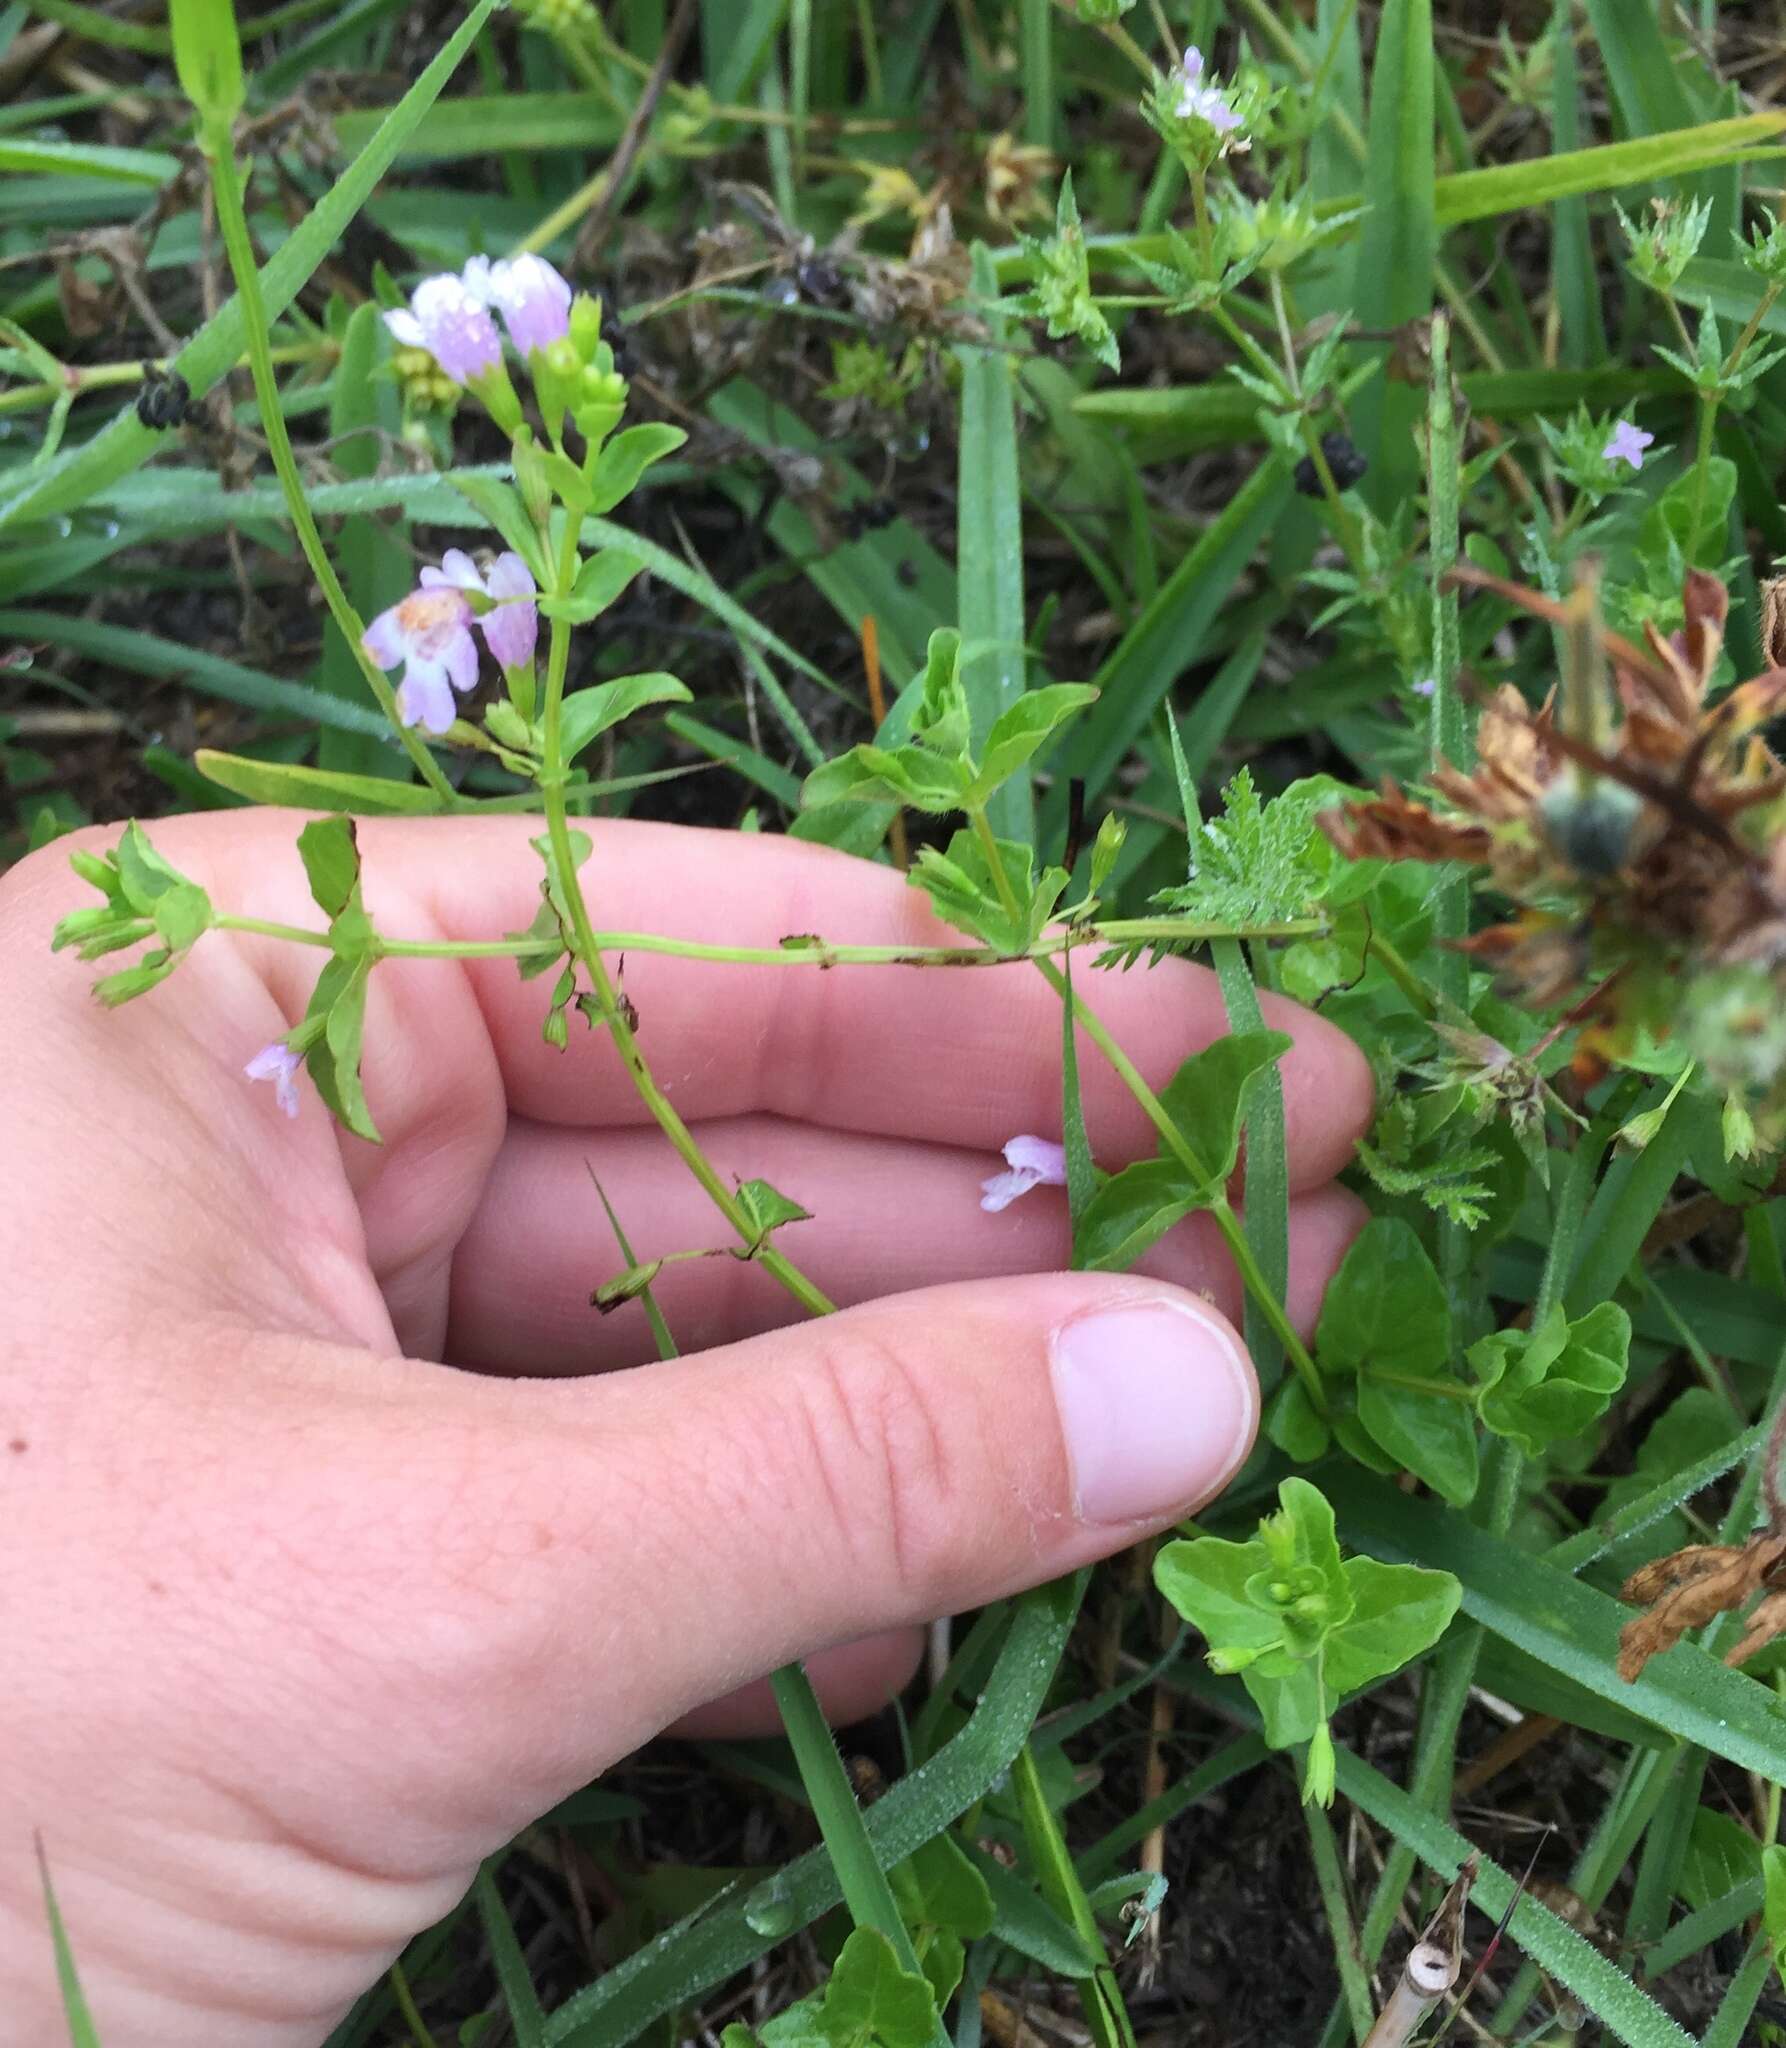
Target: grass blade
x,y
122,446
989,545
707,1947
1566,1624
1398,242
518,1994
81,2031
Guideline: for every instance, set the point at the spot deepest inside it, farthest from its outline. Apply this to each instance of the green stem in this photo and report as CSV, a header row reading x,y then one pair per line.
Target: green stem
x,y
865,1887
1118,932
1702,458
588,951
232,217
77,380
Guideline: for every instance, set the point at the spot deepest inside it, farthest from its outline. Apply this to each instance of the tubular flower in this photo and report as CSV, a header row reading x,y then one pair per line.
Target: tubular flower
x,y
1204,102
453,324
1627,444
279,1064
534,301
1030,1163
511,627
429,632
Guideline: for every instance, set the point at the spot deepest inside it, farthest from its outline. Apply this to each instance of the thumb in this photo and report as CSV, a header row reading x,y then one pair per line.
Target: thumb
x,y
920,1455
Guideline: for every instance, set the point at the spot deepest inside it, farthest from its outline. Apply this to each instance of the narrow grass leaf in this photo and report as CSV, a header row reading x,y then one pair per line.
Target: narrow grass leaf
x,y
1566,1624
518,1994
710,1946
126,442
81,2031
989,544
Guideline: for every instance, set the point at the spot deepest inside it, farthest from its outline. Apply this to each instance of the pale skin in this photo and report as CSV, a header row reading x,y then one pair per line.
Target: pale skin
x,y
356,1540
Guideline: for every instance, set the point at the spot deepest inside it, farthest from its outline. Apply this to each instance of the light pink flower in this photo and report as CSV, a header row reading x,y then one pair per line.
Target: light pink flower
x,y
511,627
1031,1163
534,301
1627,444
429,632
1204,102
279,1064
452,323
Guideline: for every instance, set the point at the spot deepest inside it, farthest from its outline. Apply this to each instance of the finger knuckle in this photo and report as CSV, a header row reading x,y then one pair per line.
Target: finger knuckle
x,y
882,1460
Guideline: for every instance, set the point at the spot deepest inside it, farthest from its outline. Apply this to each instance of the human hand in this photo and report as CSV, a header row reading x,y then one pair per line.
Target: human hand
x,y
311,1622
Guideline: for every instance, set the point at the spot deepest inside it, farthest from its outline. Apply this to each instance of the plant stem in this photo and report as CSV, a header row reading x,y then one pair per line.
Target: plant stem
x,y
1118,932
587,949
232,218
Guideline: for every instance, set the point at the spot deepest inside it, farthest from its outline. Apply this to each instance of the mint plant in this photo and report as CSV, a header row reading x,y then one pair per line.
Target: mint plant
x,y
1404,500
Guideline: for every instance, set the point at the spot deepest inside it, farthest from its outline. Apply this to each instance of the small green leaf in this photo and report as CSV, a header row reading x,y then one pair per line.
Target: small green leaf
x,y
334,1060
939,1886
1131,1211
142,873
768,1209
1430,1434
871,1999
964,893
626,458
330,852
1024,729
1545,1384
915,776
314,789
1385,1306
208,58
1398,1612
590,713
599,582
502,506
941,720
182,913
1207,1098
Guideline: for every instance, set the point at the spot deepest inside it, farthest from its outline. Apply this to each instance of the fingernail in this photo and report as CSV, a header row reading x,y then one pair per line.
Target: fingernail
x,y
1157,1403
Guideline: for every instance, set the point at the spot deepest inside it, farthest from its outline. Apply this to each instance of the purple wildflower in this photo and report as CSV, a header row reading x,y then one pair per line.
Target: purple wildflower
x,y
1030,1163
534,301
430,633
1627,444
1204,102
1425,687
279,1064
511,627
453,324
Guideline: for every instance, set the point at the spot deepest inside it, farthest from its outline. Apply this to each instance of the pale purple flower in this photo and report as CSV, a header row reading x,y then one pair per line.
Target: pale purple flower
x,y
279,1064
430,633
534,301
1627,444
511,627
1424,687
1030,1163
452,323
1204,102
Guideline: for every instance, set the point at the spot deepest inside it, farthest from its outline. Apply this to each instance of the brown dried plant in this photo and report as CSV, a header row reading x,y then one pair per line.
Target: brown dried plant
x,y
1638,831
1693,1586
